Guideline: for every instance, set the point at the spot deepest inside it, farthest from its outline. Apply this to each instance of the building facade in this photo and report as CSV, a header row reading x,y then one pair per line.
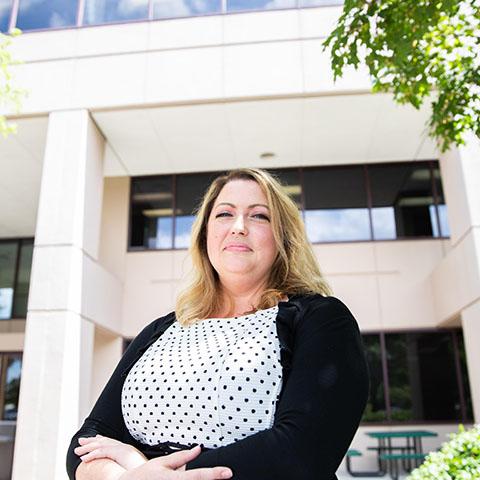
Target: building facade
x,y
133,108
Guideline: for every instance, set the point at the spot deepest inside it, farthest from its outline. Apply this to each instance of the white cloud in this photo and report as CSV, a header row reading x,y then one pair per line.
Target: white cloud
x,y
127,7
56,20
273,4
337,224
170,8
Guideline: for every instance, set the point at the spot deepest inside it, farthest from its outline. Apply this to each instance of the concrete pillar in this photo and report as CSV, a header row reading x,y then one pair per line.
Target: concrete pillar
x,y
461,179
59,336
471,335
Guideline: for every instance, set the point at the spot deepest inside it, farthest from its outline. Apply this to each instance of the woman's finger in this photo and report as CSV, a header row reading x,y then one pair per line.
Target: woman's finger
x,y
97,453
86,448
178,459
215,473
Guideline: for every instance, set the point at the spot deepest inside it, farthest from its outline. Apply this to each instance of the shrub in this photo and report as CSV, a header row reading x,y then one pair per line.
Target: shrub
x,y
458,459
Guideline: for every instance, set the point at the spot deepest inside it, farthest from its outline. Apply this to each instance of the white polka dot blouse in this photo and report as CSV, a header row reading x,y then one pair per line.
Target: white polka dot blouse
x,y
212,383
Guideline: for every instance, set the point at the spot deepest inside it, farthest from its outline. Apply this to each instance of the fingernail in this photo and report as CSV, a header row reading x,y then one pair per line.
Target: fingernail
x,y
226,474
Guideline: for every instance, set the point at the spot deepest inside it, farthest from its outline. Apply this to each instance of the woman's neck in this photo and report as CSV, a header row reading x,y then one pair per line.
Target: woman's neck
x,y
237,301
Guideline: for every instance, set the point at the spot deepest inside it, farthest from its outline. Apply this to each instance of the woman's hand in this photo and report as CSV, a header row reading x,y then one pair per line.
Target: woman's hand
x,y
172,467
99,446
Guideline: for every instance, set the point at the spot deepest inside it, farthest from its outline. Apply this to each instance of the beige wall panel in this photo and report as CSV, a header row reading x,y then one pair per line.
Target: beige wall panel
x,y
412,258
114,227
406,302
11,342
261,26
186,32
149,289
456,279
345,258
182,265
359,293
102,294
107,351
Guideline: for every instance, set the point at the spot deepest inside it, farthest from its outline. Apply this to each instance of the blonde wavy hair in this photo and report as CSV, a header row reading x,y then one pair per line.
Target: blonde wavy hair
x,y
294,271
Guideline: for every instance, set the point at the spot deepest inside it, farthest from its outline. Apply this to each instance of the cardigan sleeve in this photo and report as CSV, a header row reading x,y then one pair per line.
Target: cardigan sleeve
x,y
320,408
106,416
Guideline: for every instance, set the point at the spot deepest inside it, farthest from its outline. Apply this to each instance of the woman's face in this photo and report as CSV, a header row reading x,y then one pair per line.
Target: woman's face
x,y
240,242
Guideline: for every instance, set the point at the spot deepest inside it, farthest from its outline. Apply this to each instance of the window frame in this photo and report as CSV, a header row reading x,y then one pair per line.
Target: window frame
x,y
20,243
454,332
431,164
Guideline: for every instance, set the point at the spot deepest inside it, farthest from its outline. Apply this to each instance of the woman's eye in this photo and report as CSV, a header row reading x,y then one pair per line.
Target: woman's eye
x,y
261,216
223,214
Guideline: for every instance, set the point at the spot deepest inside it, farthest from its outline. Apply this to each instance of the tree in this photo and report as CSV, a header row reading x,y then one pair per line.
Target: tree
x,y
417,49
9,95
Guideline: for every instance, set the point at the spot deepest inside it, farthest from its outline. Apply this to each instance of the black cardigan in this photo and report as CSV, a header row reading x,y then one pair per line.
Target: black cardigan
x,y
324,392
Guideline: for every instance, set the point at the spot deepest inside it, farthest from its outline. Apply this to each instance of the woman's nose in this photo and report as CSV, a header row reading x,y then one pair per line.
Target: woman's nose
x,y
239,225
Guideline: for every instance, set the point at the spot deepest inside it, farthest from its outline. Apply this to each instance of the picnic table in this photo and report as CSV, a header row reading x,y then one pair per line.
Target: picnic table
x,y
409,454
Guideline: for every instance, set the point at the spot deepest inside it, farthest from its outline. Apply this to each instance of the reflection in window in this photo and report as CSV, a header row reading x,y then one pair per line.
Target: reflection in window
x,y
406,190
318,3
152,212
11,387
375,410
185,8
444,229
190,189
23,280
336,205
8,259
5,9
464,372
35,14
105,11
290,179
239,5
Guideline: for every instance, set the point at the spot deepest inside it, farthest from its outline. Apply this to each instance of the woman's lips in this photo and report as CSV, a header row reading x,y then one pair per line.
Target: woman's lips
x,y
238,248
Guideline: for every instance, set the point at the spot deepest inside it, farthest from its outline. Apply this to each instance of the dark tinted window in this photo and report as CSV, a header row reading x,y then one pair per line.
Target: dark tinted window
x,y
46,14
106,11
5,10
12,369
152,213
290,179
375,410
336,204
402,201
190,190
23,280
186,8
8,261
464,372
422,377
444,229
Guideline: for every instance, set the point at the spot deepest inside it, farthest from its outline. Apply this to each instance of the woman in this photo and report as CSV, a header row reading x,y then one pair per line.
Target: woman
x,y
257,364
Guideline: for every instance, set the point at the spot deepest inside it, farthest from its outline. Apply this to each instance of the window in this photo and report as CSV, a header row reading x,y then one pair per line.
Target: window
x,y
239,5
189,191
424,376
402,201
38,14
15,265
336,206
186,8
5,11
152,213
105,11
10,373
339,204
375,410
